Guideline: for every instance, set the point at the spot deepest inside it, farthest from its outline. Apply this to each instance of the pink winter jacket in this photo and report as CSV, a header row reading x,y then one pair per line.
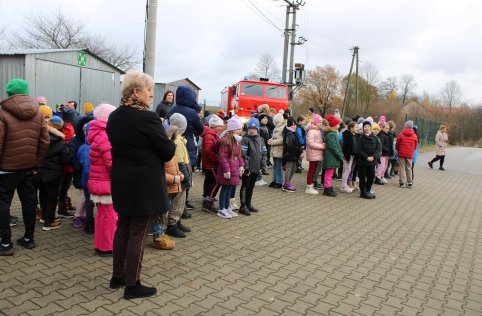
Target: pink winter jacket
x,y
100,159
314,144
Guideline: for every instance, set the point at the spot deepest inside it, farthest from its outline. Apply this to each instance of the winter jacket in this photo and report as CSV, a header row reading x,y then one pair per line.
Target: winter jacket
x,y
391,137
100,159
83,158
314,144
406,143
182,154
300,131
368,146
140,148
74,145
277,142
270,126
254,153
332,156
186,105
171,168
264,133
55,159
349,145
228,164
441,140
291,146
385,142
163,108
24,138
210,148
69,132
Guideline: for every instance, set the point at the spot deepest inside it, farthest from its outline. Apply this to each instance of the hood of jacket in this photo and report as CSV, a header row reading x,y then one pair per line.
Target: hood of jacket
x,y
79,127
408,132
96,127
185,96
21,106
208,131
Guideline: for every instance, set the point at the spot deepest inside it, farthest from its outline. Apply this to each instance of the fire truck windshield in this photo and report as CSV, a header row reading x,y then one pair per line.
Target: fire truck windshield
x,y
252,89
276,92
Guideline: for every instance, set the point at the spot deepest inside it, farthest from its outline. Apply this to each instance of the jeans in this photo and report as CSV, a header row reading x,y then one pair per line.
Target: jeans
x,y
225,196
277,171
157,228
290,171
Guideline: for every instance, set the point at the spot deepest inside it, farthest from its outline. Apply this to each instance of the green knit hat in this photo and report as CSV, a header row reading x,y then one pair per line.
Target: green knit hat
x,y
17,86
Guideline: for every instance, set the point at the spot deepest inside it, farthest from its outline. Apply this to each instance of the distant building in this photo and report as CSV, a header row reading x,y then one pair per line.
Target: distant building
x,y
161,88
62,75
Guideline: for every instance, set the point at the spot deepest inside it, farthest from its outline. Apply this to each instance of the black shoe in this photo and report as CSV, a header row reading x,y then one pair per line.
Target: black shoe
x,y
379,182
189,206
253,209
441,169
299,170
6,250
89,229
138,291
186,214
318,186
366,195
209,207
244,210
278,185
174,231
430,164
29,244
272,184
329,192
183,227
116,283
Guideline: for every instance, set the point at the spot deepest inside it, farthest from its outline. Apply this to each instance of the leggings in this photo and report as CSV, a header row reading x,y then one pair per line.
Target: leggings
x,y
441,158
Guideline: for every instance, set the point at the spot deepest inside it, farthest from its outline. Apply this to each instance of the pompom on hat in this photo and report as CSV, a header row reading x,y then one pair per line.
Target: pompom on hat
x,y
17,86
46,111
233,124
333,121
102,111
41,100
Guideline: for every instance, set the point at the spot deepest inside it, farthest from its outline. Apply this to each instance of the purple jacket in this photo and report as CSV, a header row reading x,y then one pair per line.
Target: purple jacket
x,y
100,159
229,165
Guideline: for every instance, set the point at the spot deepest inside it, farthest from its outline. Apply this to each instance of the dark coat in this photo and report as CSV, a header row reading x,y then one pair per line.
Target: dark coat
x,y
368,146
186,105
163,108
74,146
349,145
385,141
391,137
139,149
332,157
291,146
254,153
56,158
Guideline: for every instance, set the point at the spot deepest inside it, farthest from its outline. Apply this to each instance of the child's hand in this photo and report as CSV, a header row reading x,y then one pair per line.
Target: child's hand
x,y
181,176
370,158
241,170
227,175
270,141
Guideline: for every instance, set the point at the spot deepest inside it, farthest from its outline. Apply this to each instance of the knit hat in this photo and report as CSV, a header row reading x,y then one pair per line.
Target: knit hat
x,y
316,118
68,114
383,118
253,123
46,111
360,120
70,105
366,123
370,119
233,124
278,118
215,120
262,116
290,122
56,122
41,100
375,126
179,120
102,111
409,124
333,121
17,86
59,106
88,107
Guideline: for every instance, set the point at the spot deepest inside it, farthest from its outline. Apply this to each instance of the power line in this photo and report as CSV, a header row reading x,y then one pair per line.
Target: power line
x,y
262,15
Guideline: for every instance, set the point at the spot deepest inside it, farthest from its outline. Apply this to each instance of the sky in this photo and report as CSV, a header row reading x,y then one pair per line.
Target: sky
x,y
215,43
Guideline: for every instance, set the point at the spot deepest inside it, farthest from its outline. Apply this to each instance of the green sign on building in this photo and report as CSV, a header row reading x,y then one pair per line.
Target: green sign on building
x,y
82,59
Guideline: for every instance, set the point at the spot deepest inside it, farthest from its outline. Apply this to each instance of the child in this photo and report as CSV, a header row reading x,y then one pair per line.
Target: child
x,y
50,173
314,151
254,156
178,201
368,149
300,131
264,133
292,151
332,156
83,158
231,166
65,203
386,150
319,168
99,180
276,143
392,136
210,157
349,152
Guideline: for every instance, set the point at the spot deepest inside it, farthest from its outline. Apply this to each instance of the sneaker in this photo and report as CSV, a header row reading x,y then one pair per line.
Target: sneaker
x,y
311,190
209,207
77,222
231,212
223,214
189,206
186,214
287,188
272,184
6,250
319,186
253,209
384,180
52,226
244,211
260,183
56,219
13,221
329,192
264,172
26,243
403,185
163,243
379,181
101,253
346,189
441,169
409,185
65,214
233,204
430,164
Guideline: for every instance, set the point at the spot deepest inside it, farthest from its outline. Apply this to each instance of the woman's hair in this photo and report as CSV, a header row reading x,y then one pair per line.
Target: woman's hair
x,y
300,119
391,124
165,95
350,125
442,127
229,140
135,79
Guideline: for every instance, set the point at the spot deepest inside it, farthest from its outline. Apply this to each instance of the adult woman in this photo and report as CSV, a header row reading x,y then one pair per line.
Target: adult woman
x,y
441,140
165,106
139,149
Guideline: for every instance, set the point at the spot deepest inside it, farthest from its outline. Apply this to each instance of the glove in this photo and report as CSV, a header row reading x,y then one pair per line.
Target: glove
x,y
227,175
241,170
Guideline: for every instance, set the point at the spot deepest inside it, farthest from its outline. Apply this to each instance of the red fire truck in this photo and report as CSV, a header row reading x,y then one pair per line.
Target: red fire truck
x,y
245,96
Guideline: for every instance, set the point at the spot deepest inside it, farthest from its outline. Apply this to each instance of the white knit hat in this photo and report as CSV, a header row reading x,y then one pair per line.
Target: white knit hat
x,y
215,121
278,118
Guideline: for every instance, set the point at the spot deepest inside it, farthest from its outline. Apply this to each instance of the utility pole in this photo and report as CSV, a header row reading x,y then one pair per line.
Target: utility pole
x,y
287,42
292,52
346,100
150,38
356,82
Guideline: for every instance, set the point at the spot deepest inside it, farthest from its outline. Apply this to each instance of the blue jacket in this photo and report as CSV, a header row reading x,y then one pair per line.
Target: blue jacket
x,y
84,160
300,131
186,105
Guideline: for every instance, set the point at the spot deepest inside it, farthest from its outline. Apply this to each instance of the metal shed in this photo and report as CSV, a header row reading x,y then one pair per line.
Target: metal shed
x,y
160,88
62,75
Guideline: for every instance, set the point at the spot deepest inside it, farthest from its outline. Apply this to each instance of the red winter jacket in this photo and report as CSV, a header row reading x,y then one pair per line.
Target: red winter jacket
x,y
100,159
407,142
69,132
210,148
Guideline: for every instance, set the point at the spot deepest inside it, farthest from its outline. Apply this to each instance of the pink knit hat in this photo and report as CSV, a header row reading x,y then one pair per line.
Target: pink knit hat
x,y
233,124
102,111
42,100
316,118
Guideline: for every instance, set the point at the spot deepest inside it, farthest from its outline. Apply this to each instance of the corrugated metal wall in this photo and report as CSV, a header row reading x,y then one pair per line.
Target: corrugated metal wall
x,y
159,89
11,67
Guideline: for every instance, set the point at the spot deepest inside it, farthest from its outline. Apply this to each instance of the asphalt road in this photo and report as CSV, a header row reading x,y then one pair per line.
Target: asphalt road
x,y
459,159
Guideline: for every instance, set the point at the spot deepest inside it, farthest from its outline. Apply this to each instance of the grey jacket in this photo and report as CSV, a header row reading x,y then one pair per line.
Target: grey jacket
x,y
254,153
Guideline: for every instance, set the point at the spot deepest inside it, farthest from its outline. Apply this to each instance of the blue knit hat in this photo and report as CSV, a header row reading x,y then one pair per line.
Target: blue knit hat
x,y
253,123
56,122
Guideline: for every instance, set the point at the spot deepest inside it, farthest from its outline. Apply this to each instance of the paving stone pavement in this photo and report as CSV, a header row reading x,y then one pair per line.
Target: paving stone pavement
x,y
409,252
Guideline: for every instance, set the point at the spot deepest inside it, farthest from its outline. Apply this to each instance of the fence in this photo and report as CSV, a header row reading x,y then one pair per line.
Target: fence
x,y
426,130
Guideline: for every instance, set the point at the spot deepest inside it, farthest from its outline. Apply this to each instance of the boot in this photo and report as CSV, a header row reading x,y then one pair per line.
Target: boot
x,y
208,206
186,214
116,283
138,291
63,212
70,207
311,190
233,204
244,210
329,192
366,195
163,243
174,231
253,209
183,227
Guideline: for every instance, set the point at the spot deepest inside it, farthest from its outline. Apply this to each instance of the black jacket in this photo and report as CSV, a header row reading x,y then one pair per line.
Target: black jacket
x,y
74,145
368,146
264,133
139,149
349,145
386,147
291,146
254,153
391,137
55,160
163,108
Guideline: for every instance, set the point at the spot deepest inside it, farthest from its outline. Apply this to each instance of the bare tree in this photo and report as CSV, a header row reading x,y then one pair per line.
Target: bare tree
x,y
388,87
61,31
451,93
267,68
371,75
407,84
3,38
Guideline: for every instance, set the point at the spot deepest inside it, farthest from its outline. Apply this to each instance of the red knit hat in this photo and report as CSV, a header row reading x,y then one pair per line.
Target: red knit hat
x,y
333,121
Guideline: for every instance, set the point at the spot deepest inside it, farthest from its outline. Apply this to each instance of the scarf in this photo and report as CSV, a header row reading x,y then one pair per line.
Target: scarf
x,y
133,103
